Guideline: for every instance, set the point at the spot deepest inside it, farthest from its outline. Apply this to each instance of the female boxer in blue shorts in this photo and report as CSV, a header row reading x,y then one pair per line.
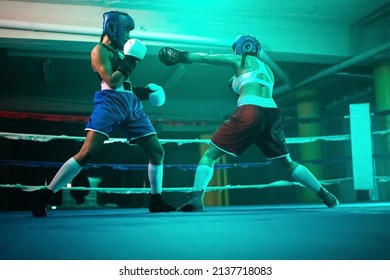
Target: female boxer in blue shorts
x,y
256,120
116,105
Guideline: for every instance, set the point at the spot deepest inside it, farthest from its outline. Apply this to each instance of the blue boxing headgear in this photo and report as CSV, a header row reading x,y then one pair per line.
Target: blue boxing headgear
x,y
114,25
245,44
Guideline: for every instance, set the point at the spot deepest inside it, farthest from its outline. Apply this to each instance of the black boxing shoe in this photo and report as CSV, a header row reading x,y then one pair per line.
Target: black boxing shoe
x,y
157,204
40,204
329,199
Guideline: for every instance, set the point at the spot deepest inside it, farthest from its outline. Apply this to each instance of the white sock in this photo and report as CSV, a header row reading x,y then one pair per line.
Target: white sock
x,y
302,175
67,172
203,175
155,174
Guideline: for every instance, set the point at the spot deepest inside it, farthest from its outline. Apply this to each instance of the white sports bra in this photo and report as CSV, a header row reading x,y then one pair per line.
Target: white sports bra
x,y
251,77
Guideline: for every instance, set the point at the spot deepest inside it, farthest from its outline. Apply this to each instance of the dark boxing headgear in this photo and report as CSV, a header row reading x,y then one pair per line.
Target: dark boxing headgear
x,y
115,25
245,44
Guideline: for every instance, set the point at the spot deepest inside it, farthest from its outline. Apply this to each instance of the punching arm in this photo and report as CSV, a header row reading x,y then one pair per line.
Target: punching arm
x,y
171,56
215,59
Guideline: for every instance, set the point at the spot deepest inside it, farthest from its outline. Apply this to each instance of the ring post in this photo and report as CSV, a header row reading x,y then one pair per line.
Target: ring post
x,y
361,145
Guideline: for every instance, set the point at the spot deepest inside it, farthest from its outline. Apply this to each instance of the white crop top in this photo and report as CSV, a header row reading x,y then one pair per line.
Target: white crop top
x,y
251,77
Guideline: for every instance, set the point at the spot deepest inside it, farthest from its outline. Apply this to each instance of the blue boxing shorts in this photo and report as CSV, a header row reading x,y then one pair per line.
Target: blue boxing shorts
x,y
251,124
119,109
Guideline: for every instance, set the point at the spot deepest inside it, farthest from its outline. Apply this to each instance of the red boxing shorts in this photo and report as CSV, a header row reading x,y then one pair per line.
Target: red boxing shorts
x,y
252,124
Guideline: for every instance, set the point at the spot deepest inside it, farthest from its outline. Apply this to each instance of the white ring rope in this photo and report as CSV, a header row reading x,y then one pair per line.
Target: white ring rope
x,y
46,138
294,140
381,179
167,189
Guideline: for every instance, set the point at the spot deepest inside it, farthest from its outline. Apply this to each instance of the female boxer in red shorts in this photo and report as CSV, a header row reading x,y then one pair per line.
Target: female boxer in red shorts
x,y
257,119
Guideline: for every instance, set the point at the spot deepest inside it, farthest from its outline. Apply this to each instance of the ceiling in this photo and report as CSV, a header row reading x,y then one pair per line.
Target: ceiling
x,y
330,46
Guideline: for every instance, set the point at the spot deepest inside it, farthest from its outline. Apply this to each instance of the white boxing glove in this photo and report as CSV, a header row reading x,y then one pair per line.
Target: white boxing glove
x,y
135,48
157,95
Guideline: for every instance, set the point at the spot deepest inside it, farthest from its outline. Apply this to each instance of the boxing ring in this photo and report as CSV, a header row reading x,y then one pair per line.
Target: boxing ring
x,y
355,230
289,232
